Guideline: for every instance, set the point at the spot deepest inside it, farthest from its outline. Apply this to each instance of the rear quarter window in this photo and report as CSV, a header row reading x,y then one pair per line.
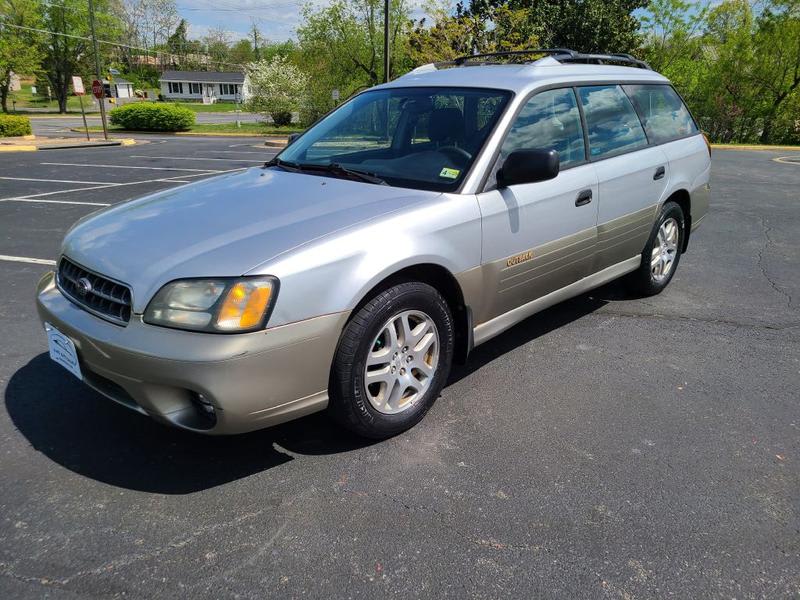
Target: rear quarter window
x,y
611,121
662,111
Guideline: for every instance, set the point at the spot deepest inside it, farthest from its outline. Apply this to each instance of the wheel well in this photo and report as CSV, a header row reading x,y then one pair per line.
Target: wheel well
x,y
682,199
445,283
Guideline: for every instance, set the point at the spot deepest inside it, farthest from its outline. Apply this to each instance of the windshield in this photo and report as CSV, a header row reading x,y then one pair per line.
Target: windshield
x,y
424,138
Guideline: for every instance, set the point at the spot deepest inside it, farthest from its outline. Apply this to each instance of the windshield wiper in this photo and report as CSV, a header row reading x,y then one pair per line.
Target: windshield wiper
x,y
332,168
289,166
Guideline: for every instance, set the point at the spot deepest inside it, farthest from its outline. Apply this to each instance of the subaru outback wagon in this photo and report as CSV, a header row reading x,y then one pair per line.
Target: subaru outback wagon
x,y
417,220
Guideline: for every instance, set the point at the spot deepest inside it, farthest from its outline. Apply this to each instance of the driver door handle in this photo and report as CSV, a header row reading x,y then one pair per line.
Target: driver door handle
x,y
584,197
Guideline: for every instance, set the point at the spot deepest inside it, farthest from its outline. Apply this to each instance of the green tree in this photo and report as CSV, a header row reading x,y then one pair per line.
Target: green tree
x,y
241,52
583,25
68,49
276,88
20,51
340,47
178,42
463,33
776,64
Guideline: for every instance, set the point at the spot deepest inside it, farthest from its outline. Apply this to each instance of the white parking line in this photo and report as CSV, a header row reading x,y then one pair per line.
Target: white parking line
x,y
42,201
132,167
237,152
199,158
59,180
25,259
178,179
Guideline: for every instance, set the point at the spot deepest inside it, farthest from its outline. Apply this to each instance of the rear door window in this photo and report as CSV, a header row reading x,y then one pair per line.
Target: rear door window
x,y
663,113
611,121
549,120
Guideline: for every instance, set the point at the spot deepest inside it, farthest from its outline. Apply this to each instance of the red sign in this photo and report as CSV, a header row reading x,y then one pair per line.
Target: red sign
x,y
97,89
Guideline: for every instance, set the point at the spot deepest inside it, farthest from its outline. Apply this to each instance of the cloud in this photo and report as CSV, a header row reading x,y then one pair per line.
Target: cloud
x,y
277,20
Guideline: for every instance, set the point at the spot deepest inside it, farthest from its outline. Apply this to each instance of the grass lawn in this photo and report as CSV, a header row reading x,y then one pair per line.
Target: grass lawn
x,y
246,128
199,107
25,100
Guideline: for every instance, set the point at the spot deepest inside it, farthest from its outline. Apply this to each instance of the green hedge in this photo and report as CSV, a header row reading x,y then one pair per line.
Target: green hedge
x,y
148,116
12,125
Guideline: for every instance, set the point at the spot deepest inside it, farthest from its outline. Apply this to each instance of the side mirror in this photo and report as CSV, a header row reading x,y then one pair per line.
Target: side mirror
x,y
292,137
528,166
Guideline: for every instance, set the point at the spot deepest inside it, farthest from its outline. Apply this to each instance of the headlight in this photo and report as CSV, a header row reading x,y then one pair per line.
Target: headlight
x,y
214,305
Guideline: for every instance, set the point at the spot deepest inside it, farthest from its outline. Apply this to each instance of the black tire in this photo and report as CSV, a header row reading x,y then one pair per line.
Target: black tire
x,y
642,281
349,404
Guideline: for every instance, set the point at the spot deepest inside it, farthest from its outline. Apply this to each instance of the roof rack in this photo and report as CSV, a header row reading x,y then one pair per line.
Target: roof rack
x,y
560,54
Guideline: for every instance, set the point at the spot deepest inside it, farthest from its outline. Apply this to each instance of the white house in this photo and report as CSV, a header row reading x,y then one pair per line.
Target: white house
x,y
120,88
205,86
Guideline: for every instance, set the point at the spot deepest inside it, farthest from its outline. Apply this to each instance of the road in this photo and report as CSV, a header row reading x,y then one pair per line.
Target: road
x,y
611,447
57,125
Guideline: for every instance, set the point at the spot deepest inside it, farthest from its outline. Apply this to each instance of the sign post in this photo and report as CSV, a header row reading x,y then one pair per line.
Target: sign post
x,y
237,99
98,71
77,89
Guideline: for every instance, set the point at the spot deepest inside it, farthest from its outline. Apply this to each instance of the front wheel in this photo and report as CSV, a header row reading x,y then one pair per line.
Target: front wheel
x,y
392,361
662,253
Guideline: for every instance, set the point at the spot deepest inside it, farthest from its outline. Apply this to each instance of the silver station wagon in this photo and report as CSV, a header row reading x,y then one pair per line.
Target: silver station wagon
x,y
419,219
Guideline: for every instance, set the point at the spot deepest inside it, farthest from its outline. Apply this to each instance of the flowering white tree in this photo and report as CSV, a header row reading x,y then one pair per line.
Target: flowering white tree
x,y
276,88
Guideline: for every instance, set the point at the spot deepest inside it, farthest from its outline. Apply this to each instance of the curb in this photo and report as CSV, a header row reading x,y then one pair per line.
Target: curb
x,y
753,147
19,148
32,148
184,133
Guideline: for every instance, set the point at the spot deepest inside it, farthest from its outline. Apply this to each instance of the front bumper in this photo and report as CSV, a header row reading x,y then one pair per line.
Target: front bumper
x,y
252,380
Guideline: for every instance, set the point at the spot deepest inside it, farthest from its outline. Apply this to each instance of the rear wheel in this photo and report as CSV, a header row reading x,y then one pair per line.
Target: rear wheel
x,y
662,253
392,361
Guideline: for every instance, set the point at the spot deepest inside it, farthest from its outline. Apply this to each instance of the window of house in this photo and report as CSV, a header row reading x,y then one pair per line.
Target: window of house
x,y
194,88
549,120
611,122
175,88
228,89
663,113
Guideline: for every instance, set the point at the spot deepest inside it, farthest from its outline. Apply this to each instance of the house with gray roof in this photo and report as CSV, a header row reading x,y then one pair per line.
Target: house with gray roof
x,y
204,86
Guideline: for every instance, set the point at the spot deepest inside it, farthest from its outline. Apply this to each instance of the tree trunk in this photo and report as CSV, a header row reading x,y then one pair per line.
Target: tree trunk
x,y
4,97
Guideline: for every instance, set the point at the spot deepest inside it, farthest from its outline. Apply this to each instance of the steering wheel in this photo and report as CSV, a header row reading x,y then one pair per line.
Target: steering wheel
x,y
455,153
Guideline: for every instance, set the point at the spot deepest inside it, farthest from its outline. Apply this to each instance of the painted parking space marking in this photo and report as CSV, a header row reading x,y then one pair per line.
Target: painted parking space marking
x,y
788,160
180,179
45,201
236,152
131,167
59,180
26,259
199,158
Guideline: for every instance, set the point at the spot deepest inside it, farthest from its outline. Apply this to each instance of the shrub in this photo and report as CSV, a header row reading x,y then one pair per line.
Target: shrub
x,y
282,118
148,116
12,125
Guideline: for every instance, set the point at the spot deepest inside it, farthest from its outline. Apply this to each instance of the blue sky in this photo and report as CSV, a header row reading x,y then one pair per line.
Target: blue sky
x,y
276,19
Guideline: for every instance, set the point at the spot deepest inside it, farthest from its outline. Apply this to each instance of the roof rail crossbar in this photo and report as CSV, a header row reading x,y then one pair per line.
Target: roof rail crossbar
x,y
559,54
552,51
601,58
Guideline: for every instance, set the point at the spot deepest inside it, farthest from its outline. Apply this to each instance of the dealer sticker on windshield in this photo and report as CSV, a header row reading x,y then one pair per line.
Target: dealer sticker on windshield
x,y
449,173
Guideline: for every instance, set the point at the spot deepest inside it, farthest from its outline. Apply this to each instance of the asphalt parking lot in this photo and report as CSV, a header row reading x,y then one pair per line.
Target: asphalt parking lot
x,y
610,447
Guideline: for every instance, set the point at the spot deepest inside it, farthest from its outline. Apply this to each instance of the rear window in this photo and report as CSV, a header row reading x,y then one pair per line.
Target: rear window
x,y
611,122
662,111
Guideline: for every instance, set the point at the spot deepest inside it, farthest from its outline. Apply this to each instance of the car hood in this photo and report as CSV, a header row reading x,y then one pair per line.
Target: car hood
x,y
223,226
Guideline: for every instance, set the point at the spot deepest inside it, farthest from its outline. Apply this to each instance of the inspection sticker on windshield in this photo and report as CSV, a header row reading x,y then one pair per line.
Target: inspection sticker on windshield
x,y
62,350
449,173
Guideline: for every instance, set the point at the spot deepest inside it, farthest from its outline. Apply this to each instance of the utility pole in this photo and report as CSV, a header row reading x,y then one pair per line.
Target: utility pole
x,y
386,61
98,70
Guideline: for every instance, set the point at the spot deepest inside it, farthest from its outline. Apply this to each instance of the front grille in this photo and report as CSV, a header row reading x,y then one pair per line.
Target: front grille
x,y
97,294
